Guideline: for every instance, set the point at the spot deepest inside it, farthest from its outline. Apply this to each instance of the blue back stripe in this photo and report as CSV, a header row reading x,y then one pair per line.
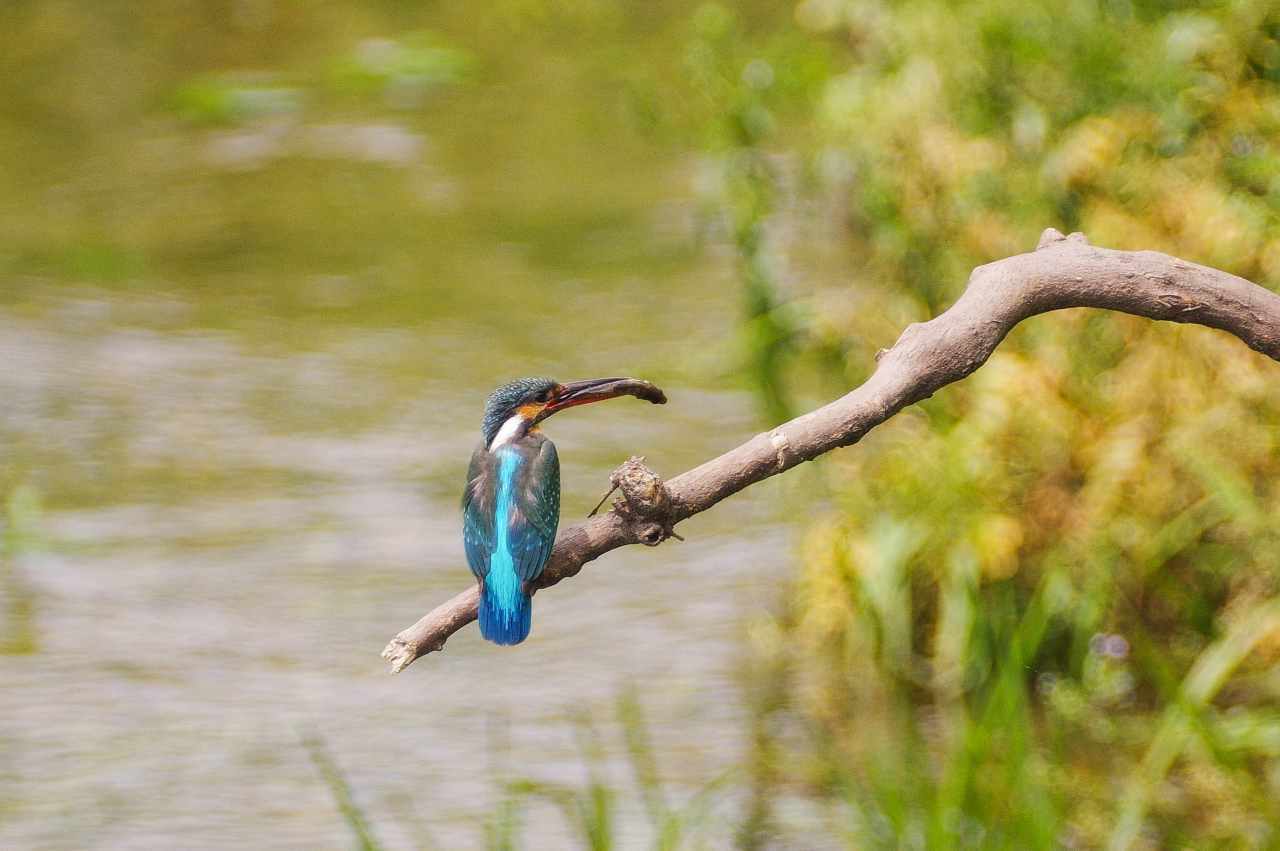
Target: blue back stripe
x,y
502,582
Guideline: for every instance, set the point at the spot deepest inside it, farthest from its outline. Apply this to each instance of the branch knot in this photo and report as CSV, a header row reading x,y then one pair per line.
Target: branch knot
x,y
646,504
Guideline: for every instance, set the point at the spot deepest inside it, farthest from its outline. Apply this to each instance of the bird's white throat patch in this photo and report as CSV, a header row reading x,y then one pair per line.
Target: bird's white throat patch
x,y
511,430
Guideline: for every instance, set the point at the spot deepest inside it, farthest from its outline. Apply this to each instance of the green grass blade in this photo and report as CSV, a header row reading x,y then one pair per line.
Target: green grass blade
x,y
341,790
1206,677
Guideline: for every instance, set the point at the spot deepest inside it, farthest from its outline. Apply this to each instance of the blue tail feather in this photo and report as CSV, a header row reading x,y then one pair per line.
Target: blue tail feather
x,y
505,621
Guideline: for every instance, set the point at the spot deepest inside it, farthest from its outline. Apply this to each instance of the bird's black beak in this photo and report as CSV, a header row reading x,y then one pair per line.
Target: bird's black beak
x,y
576,393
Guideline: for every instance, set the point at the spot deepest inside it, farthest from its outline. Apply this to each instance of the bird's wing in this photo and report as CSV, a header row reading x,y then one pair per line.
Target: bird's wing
x,y
531,532
478,536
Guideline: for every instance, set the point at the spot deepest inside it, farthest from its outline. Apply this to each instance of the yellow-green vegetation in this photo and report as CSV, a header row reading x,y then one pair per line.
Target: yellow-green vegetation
x,y
19,534
1042,607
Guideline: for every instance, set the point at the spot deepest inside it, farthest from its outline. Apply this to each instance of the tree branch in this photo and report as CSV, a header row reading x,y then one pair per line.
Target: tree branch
x,y
1062,272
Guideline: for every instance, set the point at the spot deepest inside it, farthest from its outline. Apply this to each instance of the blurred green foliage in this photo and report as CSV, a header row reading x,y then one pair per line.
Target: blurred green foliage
x,y
399,73
220,100
402,70
742,92
591,810
19,535
1041,609
333,777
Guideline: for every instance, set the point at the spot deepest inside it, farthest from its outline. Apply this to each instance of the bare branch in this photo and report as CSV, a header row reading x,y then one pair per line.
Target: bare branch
x,y
1062,272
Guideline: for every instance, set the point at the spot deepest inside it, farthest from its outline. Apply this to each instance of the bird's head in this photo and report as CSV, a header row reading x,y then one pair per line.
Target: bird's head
x,y
516,407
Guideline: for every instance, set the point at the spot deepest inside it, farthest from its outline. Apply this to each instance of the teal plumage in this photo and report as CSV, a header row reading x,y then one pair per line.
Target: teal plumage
x,y
511,504
509,536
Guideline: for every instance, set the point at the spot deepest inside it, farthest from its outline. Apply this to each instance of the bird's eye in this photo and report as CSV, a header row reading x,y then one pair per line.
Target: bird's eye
x,y
545,395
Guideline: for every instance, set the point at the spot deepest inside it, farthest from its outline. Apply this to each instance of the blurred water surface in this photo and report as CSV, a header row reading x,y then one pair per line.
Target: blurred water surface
x,y
261,264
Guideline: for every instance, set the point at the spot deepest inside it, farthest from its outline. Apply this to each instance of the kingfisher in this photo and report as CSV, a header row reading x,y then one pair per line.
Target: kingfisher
x,y
511,504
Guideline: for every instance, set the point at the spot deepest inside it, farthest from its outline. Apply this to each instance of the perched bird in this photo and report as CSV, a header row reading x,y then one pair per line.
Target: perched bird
x,y
511,505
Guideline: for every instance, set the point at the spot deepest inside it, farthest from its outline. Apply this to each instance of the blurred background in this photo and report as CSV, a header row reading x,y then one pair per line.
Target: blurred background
x,y
262,262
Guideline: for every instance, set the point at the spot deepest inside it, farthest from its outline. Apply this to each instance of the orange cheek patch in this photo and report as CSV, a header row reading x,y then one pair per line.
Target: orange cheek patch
x,y
531,410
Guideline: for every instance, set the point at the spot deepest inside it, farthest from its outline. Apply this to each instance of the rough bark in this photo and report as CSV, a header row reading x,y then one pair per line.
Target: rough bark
x,y
1062,272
